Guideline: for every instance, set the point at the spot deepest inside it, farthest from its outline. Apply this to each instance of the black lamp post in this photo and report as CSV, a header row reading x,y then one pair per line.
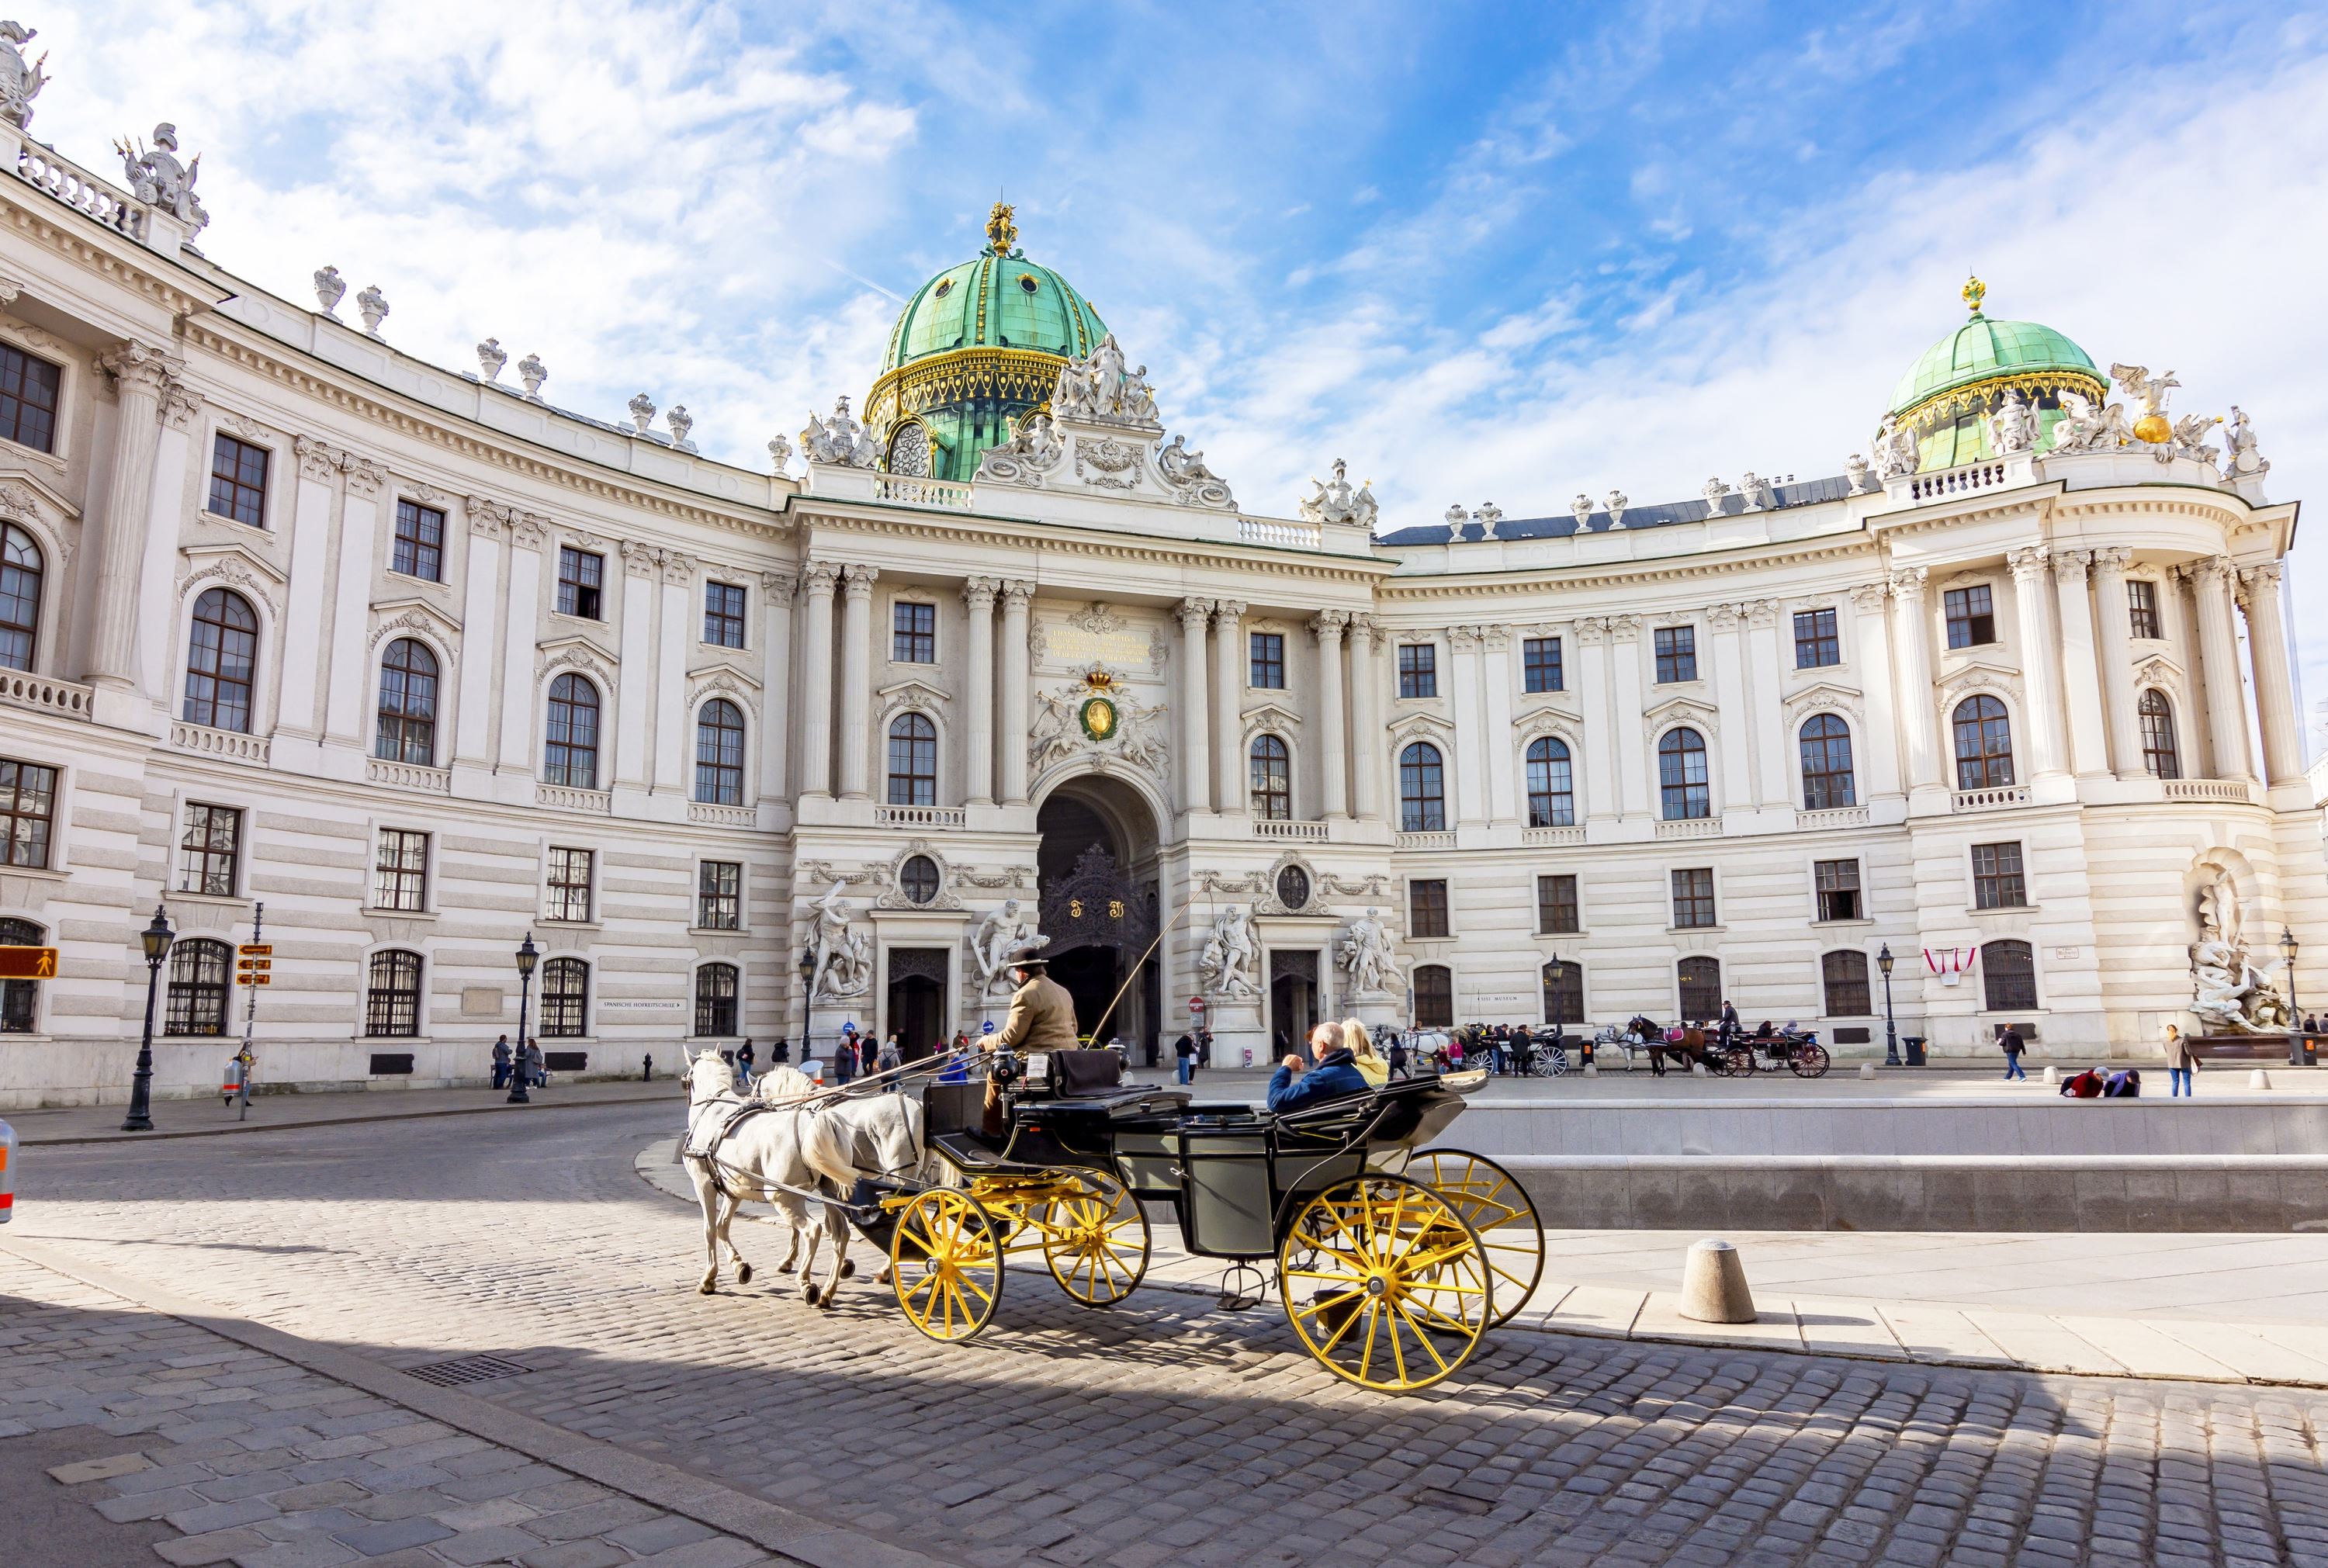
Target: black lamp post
x,y
527,955
2287,945
808,1000
1891,1028
156,939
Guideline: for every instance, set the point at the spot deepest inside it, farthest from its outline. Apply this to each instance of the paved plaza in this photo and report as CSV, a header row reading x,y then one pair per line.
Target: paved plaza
x,y
1161,1433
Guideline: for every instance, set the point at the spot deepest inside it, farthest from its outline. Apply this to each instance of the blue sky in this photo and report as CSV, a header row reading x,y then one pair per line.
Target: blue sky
x,y
1484,252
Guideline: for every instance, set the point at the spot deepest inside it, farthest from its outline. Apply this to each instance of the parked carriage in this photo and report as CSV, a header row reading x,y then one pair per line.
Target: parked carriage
x,y
1768,1050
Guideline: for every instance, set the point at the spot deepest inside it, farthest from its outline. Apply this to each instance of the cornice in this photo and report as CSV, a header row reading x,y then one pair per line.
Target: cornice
x,y
152,277
1511,580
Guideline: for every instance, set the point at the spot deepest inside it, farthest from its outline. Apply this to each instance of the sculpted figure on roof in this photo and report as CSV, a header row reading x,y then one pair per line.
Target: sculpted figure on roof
x,y
1337,500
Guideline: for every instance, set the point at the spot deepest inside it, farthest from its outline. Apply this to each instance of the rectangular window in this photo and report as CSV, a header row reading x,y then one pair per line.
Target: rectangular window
x,y
1972,617
28,811
1540,664
28,400
914,632
420,542
1555,906
569,885
207,852
2142,608
1418,669
581,583
1676,653
1815,643
1997,882
1693,899
719,896
238,480
723,615
400,871
1838,888
1426,907
1268,660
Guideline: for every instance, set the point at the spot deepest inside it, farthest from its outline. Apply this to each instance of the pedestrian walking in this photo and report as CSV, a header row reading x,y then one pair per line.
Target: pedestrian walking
x,y
2010,1042
888,1061
501,1062
1397,1055
2182,1063
536,1073
744,1064
1204,1048
1184,1059
780,1051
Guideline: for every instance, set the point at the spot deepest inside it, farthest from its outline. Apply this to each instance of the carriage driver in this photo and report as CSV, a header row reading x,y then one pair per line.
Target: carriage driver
x,y
1042,1018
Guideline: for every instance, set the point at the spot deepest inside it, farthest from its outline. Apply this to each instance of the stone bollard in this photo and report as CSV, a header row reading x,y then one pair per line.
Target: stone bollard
x,y
2052,1075
1697,1070
1592,1069
1867,1069
1713,1285
2258,1079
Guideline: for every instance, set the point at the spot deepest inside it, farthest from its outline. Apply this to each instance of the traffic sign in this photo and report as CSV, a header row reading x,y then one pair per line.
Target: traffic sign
x,y
257,949
987,1027
1196,1004
253,965
247,978
28,963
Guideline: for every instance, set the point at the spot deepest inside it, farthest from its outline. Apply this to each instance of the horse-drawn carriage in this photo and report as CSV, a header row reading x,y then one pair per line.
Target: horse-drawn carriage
x,y
1738,1055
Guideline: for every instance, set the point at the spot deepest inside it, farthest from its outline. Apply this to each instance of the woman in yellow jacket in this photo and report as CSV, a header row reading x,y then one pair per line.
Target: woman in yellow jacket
x,y
1363,1056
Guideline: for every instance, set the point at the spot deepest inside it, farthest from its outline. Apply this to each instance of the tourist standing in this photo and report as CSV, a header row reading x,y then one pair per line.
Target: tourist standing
x,y
1184,1059
2181,1062
2011,1043
1397,1055
888,1061
536,1073
501,1062
844,1056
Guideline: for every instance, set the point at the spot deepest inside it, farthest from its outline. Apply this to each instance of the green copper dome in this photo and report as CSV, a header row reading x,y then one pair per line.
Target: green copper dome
x,y
996,300
1948,393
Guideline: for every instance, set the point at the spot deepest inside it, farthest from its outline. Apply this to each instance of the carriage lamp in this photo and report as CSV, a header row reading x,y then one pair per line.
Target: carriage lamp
x,y
155,940
1891,1028
2296,1039
527,955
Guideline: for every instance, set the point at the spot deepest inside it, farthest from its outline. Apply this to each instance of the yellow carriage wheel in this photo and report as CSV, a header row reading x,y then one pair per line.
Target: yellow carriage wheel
x,y
946,1263
1386,1283
1500,1210
1095,1241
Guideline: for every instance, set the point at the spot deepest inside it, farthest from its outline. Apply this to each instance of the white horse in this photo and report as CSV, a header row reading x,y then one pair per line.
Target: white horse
x,y
761,1155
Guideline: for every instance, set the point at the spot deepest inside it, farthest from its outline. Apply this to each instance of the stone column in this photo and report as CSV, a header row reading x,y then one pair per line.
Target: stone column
x,y
1912,653
676,626
349,674
1634,783
817,579
2212,580
1333,727
2283,748
1601,741
978,706
1879,739
2041,662
1228,705
634,764
481,606
529,536
1730,695
1774,785
1463,693
2114,649
157,634
1365,739
1195,727
857,683
303,614
1016,594
2082,679
777,591
139,374
1495,688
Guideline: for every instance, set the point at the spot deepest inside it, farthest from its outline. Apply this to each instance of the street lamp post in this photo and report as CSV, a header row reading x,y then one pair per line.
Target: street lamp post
x,y
1891,1028
2287,945
527,955
808,1000
156,939
1557,972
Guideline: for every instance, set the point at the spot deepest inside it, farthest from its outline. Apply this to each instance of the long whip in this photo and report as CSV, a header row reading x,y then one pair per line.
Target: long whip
x,y
1093,1037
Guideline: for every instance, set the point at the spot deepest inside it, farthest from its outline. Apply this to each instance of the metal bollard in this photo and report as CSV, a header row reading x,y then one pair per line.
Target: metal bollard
x,y
7,1173
646,1069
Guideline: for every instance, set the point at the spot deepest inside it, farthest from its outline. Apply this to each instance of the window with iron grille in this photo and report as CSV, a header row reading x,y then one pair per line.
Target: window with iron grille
x,y
408,704
1540,664
28,813
196,1002
1563,992
1272,766
1556,912
208,849
237,481
400,870
723,615
2159,752
21,572
1984,737
20,998
918,880
1682,788
1971,615
581,583
2008,975
221,660
1701,989
569,885
719,753
28,400
1815,643
1550,784
1843,975
392,995
1825,749
913,633
719,896
1426,907
570,752
1434,996
1997,880
1422,790
1676,653
1693,897
1838,888
912,761
565,998
419,549
714,1000
2142,608
1268,660
1418,669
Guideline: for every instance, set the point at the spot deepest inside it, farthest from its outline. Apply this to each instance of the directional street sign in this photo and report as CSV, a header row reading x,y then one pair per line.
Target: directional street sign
x,y
247,978
28,963
257,949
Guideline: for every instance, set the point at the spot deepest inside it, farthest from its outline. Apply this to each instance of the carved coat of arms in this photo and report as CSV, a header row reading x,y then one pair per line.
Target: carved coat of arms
x,y
1108,463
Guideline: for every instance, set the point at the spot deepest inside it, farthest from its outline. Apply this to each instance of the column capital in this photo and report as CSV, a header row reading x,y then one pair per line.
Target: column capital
x,y
639,559
1624,628
1592,631
1017,593
1495,636
2113,558
320,460
2263,574
1908,582
2211,569
1228,612
1868,599
180,403
979,593
2027,562
817,579
678,568
365,477
1464,639
488,519
1193,613
780,584
2070,566
1362,627
1327,625
141,367
528,531
1724,617
861,581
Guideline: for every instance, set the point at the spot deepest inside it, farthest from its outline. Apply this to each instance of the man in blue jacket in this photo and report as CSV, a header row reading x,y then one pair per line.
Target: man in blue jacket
x,y
1335,1075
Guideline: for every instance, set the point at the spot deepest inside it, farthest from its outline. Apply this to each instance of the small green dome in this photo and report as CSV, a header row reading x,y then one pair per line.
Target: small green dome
x,y
996,300
1982,350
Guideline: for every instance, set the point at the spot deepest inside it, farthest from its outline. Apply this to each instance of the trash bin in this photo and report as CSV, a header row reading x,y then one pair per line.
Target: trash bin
x,y
1915,1044
1584,1049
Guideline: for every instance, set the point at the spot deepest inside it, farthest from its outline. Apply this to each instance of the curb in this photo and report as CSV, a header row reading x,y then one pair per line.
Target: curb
x,y
118,1137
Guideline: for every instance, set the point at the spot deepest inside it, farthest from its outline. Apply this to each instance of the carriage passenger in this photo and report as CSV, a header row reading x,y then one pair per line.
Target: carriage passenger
x,y
1335,1076
1370,1065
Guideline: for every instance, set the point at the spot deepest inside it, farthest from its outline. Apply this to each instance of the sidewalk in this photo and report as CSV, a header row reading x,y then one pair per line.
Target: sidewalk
x,y
205,1117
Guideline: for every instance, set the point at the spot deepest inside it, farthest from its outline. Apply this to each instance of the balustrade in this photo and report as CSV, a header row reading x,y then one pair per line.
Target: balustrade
x,y
559,797
1269,828
42,695
941,492
920,816
76,188
1990,800
405,775
231,744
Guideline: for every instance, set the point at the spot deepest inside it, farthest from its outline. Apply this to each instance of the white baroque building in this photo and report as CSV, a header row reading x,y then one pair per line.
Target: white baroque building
x,y
426,665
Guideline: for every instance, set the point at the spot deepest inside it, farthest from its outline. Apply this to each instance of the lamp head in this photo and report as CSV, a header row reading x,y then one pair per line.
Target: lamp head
x,y
527,955
807,964
2288,943
1884,961
156,938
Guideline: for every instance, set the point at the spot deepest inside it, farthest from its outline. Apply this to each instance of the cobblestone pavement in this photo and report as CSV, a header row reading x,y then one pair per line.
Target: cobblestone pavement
x,y
1163,1432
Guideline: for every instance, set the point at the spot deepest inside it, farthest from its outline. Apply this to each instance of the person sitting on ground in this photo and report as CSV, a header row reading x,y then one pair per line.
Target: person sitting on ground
x,y
2125,1084
1363,1056
2085,1085
1335,1076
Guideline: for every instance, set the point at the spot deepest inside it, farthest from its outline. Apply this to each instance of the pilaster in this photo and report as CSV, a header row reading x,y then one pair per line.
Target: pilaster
x,y
857,683
978,705
1228,706
1333,726
1196,727
2040,661
2114,641
817,581
1017,594
2081,681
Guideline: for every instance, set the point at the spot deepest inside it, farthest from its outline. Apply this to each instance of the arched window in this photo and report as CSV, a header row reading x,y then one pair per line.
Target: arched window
x,y
19,999
1983,744
392,995
1563,998
917,878
1551,787
719,753
2159,752
1827,763
565,998
1272,778
197,1000
714,1000
1422,790
1434,996
1701,989
1681,775
408,704
912,761
2008,972
20,596
220,660
569,755
1843,974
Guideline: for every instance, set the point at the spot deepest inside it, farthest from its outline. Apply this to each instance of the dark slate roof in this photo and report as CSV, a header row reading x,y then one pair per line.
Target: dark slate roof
x,y
1806,493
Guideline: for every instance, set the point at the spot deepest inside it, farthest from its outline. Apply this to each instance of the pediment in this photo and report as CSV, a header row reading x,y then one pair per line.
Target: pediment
x,y
1562,708
1825,694
723,672
48,494
1422,726
1270,716
203,555
914,693
1702,717
412,614
575,653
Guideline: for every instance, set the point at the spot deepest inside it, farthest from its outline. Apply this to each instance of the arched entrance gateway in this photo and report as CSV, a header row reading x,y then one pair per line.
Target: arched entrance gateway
x,y
1095,871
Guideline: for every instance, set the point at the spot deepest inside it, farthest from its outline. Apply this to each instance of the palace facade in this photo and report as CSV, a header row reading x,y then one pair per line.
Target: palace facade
x,y
427,666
